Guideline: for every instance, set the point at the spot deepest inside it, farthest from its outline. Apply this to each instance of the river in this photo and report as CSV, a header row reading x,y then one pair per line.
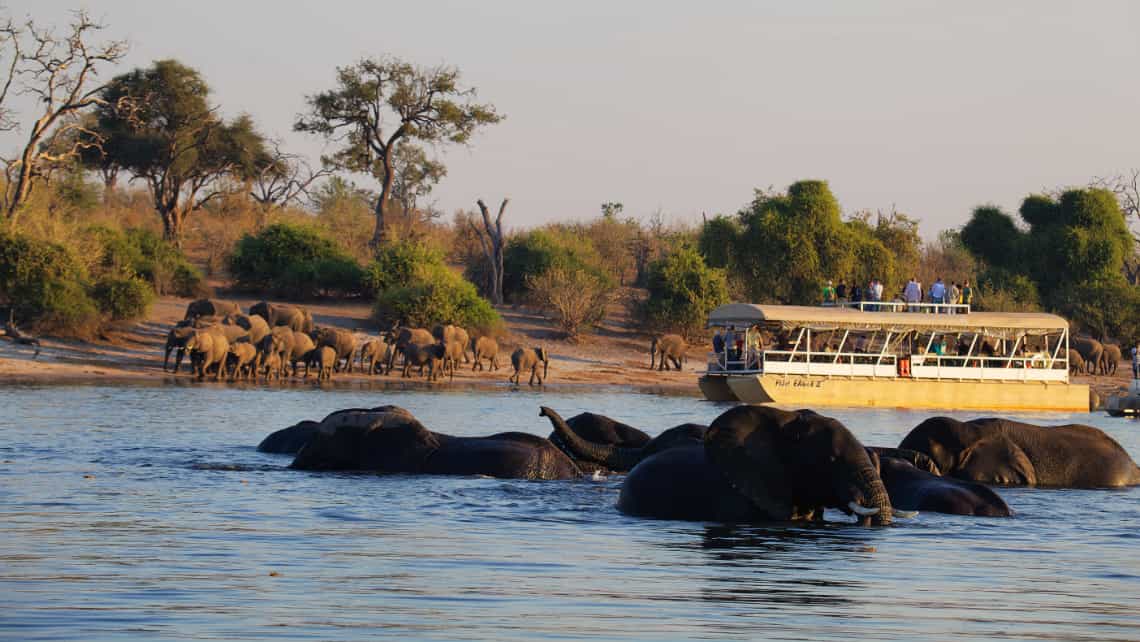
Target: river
x,y
145,513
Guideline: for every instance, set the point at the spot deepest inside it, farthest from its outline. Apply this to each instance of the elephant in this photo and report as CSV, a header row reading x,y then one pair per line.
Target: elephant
x,y
207,349
401,338
270,364
300,352
431,355
1076,362
241,360
596,442
1110,360
1091,351
448,333
254,324
279,341
288,441
277,314
484,348
176,342
210,308
342,341
524,359
669,346
784,465
386,440
913,489
1010,453
232,333
375,352
453,353
325,358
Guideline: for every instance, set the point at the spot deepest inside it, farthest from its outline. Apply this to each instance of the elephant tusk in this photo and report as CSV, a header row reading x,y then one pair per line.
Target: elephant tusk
x,y
904,514
860,510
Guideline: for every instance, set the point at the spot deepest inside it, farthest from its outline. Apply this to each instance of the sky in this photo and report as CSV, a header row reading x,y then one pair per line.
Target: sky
x,y
683,109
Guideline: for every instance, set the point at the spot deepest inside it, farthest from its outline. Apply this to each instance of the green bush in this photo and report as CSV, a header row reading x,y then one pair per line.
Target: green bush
x,y
682,292
397,263
294,261
435,294
532,254
46,287
123,297
140,252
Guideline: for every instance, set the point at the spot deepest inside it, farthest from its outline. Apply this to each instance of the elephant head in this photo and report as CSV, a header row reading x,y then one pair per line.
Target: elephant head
x,y
386,439
611,456
793,464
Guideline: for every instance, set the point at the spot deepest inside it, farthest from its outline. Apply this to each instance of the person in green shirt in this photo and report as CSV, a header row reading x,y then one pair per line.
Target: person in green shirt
x,y
828,294
967,293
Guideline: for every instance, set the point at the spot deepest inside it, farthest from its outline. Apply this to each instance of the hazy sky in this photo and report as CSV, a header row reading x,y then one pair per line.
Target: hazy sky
x,y
933,107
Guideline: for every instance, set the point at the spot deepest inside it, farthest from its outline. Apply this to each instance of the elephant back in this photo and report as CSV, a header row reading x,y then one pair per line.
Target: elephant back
x,y
368,440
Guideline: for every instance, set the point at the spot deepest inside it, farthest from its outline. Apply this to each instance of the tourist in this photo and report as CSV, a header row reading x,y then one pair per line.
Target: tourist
x,y
841,292
955,296
877,293
856,294
912,293
828,294
938,293
1136,361
967,295
718,344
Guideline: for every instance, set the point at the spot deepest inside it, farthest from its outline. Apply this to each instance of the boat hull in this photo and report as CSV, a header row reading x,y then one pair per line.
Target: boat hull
x,y
796,390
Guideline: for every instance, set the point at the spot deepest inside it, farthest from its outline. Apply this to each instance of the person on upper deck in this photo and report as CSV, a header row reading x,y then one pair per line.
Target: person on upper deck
x,y
938,292
967,293
841,292
955,296
912,293
828,294
856,293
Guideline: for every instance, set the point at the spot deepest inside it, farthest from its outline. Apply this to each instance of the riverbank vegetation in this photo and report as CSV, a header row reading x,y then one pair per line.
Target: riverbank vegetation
x,y
134,188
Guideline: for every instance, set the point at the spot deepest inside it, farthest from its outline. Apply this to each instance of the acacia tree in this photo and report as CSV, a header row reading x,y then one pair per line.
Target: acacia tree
x,y
414,177
171,138
56,72
378,104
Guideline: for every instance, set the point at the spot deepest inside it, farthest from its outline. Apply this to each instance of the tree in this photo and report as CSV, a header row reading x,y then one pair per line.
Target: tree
x,y
575,299
171,138
281,178
415,175
57,72
682,292
378,105
491,238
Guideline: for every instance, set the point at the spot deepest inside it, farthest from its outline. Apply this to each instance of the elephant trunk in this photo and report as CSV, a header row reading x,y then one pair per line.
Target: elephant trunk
x,y
921,461
875,497
612,457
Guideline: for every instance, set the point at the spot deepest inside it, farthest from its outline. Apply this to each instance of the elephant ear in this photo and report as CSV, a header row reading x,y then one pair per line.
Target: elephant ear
x,y
742,444
996,460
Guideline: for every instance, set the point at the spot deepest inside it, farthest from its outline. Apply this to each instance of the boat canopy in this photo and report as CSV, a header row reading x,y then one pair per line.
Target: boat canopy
x,y
788,317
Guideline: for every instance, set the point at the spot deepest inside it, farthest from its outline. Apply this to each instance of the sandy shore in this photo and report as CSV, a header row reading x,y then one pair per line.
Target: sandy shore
x,y
132,353
614,356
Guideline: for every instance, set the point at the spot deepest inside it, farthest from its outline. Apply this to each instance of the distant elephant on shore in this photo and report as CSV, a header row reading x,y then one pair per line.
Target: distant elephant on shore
x,y
670,347
343,342
1110,360
784,465
1010,453
400,338
484,348
325,359
383,440
176,340
1091,351
453,333
278,314
301,351
596,442
207,349
1076,362
210,308
278,344
254,324
375,352
242,360
430,355
524,359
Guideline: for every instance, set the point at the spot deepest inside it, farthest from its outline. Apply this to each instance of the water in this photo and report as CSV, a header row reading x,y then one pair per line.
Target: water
x,y
143,513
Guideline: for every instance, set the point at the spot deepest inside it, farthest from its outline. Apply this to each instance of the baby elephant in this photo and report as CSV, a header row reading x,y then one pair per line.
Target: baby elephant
x,y
325,358
485,348
525,359
669,347
241,360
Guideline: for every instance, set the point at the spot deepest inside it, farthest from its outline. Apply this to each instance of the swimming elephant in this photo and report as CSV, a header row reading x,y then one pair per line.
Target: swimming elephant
x,y
913,489
448,333
1110,359
288,441
1010,453
210,308
524,359
785,465
596,442
278,314
669,347
386,441
1091,351
207,349
484,348
343,342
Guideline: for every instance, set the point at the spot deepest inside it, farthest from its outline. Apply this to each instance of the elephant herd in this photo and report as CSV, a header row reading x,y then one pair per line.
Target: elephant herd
x,y
274,340
752,463
1089,356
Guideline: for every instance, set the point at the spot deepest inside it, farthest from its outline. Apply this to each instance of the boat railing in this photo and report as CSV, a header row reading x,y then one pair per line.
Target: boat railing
x,y
902,306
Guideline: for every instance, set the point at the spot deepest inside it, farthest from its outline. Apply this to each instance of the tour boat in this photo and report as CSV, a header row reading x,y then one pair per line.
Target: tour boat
x,y
892,355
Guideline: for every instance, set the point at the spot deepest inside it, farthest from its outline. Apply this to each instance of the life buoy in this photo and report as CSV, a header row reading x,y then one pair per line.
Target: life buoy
x,y
904,367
